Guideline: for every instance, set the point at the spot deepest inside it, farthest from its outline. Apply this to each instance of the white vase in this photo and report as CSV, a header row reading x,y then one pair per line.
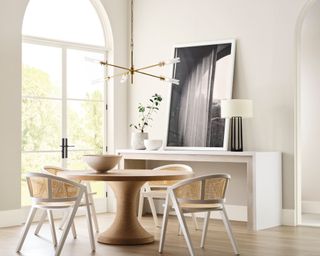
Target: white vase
x,y
137,140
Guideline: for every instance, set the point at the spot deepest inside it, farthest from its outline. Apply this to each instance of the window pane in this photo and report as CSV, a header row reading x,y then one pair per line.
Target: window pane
x,y
85,125
66,20
33,162
41,71
75,162
82,75
41,124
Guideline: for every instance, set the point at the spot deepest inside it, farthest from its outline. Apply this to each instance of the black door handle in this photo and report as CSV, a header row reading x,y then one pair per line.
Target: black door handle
x,y
65,146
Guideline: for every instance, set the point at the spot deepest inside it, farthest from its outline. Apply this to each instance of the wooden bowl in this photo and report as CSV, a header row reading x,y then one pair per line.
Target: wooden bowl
x,y
102,163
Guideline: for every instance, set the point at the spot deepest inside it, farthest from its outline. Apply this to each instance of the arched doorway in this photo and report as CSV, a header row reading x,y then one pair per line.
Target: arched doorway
x,y
63,94
307,121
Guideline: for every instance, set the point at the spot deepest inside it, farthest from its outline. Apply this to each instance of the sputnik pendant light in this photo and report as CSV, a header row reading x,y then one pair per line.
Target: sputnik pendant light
x,y
130,71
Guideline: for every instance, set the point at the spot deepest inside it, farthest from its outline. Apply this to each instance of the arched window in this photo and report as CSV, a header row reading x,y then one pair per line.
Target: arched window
x,y
65,20
61,98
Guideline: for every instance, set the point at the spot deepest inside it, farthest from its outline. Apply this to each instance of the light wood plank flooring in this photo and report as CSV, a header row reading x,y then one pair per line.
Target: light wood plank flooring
x,y
284,241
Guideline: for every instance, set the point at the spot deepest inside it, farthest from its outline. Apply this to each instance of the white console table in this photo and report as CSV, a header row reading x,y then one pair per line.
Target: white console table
x,y
264,177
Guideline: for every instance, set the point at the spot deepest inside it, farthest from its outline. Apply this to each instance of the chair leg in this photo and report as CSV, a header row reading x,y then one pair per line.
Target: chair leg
x,y
205,229
89,222
74,231
194,218
140,209
26,228
195,222
67,228
164,224
153,211
52,228
42,219
229,231
183,224
94,213
64,219
63,223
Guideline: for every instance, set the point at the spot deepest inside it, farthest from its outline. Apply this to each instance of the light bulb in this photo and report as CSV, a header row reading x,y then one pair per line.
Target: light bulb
x,y
170,80
124,78
172,61
92,60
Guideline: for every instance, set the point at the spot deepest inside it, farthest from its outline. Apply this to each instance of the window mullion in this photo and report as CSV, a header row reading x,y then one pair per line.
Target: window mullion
x,y
58,43
64,98
105,112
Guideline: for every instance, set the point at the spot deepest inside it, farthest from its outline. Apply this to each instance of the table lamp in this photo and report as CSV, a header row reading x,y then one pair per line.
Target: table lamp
x,y
236,109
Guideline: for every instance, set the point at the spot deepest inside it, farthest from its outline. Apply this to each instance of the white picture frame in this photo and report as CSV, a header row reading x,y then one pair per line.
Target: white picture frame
x,y
188,105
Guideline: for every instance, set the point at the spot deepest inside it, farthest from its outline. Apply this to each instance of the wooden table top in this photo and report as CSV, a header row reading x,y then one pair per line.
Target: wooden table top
x,y
127,175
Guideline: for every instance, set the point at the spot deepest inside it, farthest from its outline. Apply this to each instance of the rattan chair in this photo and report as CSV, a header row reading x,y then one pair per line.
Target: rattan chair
x,y
158,190
54,170
50,193
200,194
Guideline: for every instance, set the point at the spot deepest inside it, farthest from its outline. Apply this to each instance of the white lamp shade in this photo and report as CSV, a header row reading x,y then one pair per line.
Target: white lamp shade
x,y
236,107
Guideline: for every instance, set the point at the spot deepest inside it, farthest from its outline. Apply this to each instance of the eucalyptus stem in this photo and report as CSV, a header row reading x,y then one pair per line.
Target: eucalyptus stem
x,y
145,117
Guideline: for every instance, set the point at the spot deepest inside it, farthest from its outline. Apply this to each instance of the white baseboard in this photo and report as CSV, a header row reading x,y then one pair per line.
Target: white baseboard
x,y
18,216
235,212
310,206
11,218
288,217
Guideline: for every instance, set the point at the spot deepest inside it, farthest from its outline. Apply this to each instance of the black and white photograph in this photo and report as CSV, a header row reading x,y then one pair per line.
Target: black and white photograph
x,y
206,76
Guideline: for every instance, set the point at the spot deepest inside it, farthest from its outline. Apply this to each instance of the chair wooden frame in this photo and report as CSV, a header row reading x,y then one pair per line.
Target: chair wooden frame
x,y
157,190
53,170
50,200
184,205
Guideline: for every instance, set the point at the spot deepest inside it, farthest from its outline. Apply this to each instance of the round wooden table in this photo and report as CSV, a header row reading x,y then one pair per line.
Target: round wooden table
x,y
126,185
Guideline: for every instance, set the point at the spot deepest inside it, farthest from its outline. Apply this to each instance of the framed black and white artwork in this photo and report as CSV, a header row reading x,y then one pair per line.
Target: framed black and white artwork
x,y
205,73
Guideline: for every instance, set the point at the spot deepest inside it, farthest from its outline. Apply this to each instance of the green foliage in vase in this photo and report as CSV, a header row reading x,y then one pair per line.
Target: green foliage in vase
x,y
145,112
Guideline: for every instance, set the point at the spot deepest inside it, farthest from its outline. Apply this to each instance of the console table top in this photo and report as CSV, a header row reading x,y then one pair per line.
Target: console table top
x,y
193,152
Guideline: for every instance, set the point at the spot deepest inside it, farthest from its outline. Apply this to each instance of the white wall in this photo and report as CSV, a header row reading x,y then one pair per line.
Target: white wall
x,y
310,105
117,11
265,70
11,18
265,63
11,13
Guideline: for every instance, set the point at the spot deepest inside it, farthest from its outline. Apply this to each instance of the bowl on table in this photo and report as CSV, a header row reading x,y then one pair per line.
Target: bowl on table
x,y
152,144
101,163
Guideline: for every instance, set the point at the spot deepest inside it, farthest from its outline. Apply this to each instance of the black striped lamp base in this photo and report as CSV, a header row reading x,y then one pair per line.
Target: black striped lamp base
x,y
236,134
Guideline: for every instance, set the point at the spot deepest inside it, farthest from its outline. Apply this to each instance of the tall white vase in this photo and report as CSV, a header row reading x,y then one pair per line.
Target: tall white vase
x,y
137,140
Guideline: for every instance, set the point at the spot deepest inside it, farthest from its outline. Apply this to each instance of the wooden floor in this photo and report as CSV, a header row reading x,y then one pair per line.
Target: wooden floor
x,y
293,241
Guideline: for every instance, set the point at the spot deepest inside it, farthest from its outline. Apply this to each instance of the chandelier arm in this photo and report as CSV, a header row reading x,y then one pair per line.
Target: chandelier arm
x,y
148,74
150,66
113,65
120,74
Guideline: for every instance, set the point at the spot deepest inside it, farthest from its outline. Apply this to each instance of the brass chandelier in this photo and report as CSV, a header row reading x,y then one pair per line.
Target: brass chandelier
x,y
130,71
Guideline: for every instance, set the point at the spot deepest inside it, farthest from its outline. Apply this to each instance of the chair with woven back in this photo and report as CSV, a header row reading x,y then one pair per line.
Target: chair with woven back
x,y
54,170
200,194
50,193
158,190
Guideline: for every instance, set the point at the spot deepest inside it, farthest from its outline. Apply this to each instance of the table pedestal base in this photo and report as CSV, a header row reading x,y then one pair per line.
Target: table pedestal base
x,y
126,229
